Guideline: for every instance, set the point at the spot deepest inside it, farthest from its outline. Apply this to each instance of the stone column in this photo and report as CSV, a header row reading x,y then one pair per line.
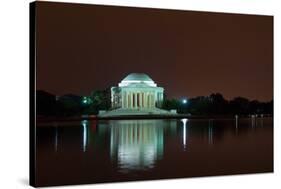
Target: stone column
x,y
127,103
125,100
144,100
122,100
141,99
131,100
149,100
128,99
132,97
152,99
135,99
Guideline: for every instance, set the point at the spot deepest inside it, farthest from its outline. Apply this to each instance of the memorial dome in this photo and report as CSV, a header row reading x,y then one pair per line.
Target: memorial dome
x,y
137,78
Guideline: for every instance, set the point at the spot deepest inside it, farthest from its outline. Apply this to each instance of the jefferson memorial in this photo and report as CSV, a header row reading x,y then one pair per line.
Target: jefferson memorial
x,y
136,91
136,94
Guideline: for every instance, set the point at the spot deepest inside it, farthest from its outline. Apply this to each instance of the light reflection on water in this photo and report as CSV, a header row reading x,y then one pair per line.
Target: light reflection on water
x,y
85,135
129,146
56,139
138,144
184,121
210,132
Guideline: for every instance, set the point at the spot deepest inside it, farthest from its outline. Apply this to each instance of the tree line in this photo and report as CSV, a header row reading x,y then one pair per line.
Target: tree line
x,y
48,104
216,104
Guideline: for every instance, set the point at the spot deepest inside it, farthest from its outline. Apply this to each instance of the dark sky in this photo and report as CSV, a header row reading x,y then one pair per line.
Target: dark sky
x,y
81,48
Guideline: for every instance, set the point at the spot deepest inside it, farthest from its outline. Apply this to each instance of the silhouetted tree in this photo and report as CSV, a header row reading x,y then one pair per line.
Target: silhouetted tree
x,y
240,105
199,105
100,100
45,103
218,105
69,105
170,104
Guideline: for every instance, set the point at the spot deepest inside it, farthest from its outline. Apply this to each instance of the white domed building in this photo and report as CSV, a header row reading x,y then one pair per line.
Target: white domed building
x,y
136,91
136,94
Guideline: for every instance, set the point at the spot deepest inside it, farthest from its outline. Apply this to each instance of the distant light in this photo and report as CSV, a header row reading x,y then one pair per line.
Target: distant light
x,y
184,101
85,100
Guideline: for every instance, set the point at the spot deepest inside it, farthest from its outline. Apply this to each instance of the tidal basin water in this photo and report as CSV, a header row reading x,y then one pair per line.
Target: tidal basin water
x,y
125,150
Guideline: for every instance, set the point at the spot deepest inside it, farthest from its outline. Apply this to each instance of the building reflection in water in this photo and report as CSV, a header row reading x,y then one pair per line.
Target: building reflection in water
x,y
184,137
136,144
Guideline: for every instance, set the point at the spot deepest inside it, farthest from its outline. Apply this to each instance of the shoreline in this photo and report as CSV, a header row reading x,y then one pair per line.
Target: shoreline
x,y
40,119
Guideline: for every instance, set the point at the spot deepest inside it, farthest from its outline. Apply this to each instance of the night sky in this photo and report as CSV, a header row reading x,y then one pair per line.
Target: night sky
x,y
81,48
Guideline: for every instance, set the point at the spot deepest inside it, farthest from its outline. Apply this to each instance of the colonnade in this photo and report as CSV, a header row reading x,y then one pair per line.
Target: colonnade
x,y
138,100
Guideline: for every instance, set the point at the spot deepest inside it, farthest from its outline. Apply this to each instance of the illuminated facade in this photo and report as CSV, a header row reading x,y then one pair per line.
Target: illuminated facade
x,y
136,91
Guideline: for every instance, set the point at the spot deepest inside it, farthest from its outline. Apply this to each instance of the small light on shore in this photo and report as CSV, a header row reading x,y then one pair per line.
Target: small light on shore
x,y
85,100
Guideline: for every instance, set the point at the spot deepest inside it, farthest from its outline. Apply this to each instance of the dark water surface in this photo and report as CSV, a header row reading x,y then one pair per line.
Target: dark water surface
x,y
121,150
